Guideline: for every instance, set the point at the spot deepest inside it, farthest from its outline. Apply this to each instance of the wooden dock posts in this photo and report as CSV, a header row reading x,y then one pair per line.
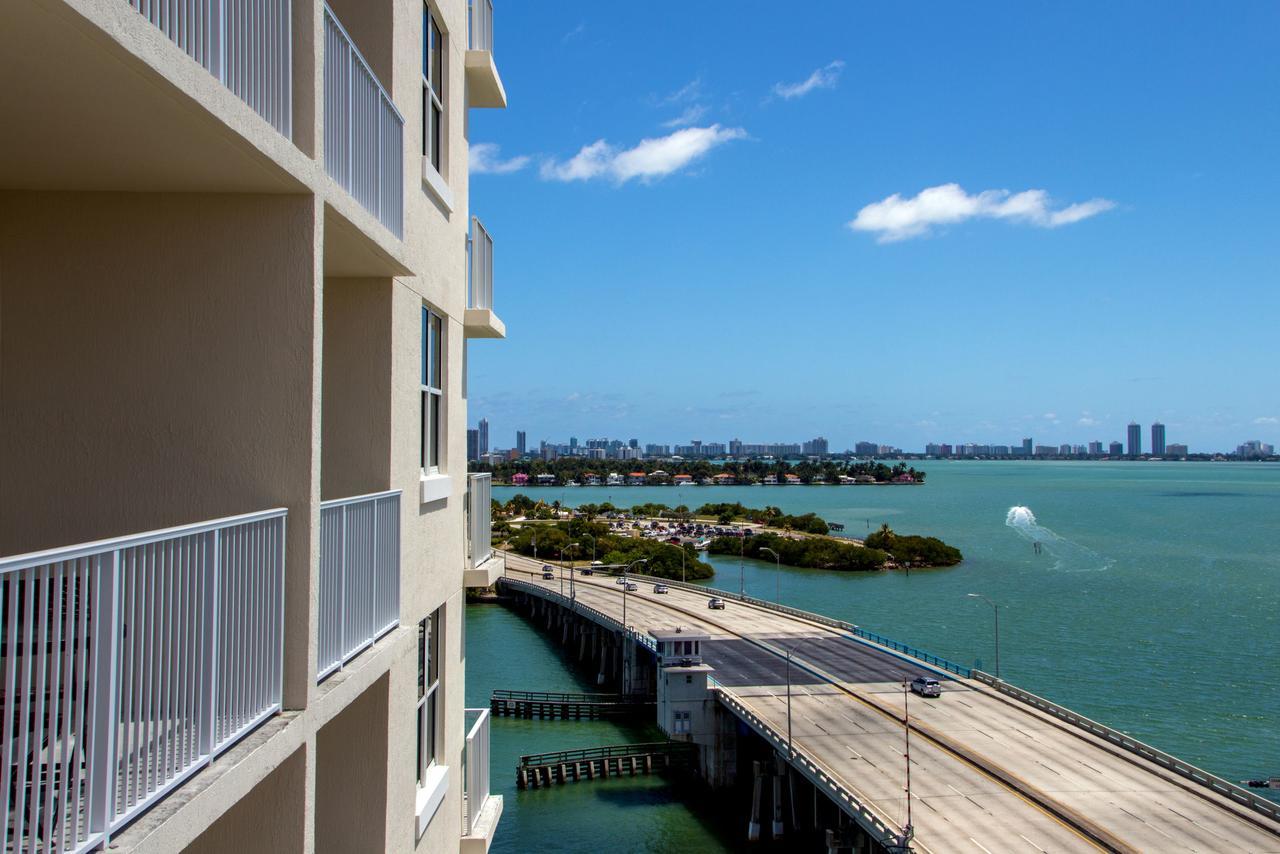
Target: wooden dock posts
x,y
541,770
567,706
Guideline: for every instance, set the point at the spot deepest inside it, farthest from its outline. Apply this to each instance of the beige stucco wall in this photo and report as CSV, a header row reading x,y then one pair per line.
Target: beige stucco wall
x,y
267,821
351,778
158,361
356,404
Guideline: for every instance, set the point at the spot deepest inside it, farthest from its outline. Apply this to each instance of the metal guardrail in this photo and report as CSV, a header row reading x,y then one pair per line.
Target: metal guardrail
x,y
475,762
480,270
128,665
1240,795
875,824
480,25
480,517
359,576
363,130
586,610
246,44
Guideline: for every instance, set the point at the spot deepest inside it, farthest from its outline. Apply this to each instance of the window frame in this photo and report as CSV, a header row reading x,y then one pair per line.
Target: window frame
x,y
430,649
431,438
435,75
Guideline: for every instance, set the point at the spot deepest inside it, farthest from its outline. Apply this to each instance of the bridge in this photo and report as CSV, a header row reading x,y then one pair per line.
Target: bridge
x,y
992,767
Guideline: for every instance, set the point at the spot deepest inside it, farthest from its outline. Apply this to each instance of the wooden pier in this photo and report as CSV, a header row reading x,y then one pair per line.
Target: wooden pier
x,y
568,706
540,770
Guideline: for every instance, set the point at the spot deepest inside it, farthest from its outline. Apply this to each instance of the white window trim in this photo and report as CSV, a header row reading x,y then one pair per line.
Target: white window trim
x,y
432,177
433,474
434,181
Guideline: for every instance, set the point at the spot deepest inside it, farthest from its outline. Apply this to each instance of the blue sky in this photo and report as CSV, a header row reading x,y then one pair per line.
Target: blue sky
x,y
900,223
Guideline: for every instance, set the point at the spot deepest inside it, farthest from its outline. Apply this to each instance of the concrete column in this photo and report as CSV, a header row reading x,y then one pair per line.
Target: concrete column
x,y
757,784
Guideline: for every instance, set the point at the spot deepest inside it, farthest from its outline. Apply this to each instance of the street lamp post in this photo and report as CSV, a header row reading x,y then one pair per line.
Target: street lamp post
x,y
777,596
626,647
563,549
996,609
625,570
790,752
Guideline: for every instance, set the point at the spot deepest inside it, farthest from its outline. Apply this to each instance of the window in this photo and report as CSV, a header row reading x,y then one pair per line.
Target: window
x,y
432,394
432,89
430,632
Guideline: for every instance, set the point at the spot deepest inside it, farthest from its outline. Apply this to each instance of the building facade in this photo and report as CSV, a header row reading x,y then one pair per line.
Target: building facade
x,y
238,275
1135,440
1157,439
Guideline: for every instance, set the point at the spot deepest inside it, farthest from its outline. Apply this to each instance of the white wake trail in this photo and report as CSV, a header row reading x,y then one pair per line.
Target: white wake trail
x,y
1068,556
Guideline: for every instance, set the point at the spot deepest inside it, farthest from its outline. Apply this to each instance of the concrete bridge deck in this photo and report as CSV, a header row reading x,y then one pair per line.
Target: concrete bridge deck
x,y
989,773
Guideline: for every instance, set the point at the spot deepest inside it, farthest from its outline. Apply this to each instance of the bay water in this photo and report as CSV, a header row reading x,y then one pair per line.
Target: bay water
x,y
1152,605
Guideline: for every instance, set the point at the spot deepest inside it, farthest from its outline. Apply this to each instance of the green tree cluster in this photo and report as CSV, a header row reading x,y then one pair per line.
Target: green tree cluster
x,y
811,553
912,550
664,559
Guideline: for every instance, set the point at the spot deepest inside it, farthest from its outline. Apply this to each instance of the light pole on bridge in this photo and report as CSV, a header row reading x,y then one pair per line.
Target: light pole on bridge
x,y
996,609
777,596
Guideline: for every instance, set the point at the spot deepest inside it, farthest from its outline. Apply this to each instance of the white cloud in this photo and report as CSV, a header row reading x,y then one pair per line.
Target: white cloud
x,y
574,33
649,159
691,115
483,159
823,78
1086,421
690,91
1266,419
896,218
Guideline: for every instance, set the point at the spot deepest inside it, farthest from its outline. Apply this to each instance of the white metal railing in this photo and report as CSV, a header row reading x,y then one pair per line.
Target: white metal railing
x,y
480,25
359,575
246,44
480,516
480,271
475,783
363,130
129,664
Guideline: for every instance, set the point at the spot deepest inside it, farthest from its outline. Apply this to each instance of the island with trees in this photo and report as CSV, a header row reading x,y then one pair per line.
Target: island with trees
x,y
661,535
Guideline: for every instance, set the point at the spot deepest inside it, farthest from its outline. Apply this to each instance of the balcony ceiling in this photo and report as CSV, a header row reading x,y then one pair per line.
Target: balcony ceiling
x,y
82,113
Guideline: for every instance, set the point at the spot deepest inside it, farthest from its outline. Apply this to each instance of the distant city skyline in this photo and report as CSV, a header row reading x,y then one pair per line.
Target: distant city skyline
x,y
1129,444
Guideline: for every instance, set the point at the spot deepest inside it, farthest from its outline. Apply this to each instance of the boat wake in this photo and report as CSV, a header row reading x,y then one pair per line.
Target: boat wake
x,y
1068,556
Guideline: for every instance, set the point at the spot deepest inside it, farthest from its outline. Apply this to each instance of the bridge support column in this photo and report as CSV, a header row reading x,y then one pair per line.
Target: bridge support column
x,y
757,785
779,770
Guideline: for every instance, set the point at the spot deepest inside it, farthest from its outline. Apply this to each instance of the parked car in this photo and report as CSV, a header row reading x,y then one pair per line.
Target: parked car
x,y
659,588
715,603
926,686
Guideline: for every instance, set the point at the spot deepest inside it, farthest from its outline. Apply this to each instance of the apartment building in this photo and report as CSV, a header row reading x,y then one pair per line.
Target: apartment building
x,y
238,277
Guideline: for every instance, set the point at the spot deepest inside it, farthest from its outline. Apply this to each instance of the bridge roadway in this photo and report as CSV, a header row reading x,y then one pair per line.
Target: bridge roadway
x,y
988,773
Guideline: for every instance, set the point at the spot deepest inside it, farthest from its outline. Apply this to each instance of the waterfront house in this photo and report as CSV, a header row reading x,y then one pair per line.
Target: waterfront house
x,y
904,478
519,479
682,479
636,478
707,481
770,480
244,229
614,479
545,479
591,479
791,479
723,479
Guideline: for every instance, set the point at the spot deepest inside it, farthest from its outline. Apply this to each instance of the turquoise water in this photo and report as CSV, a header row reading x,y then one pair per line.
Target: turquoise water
x,y
1154,606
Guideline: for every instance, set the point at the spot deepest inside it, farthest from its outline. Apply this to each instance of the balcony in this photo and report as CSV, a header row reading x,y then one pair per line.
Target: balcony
x,y
130,664
480,321
481,810
363,130
247,46
483,566
484,86
359,576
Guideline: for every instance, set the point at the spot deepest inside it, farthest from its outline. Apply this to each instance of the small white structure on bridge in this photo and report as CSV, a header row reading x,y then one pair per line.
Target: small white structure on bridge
x,y
684,706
